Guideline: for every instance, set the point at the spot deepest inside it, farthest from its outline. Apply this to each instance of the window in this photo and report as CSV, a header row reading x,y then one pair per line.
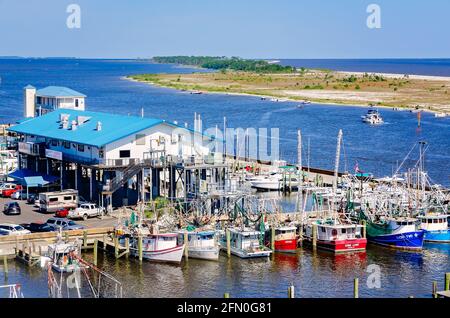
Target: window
x,y
140,140
124,154
81,148
343,231
54,143
66,145
53,200
76,102
323,229
101,153
68,198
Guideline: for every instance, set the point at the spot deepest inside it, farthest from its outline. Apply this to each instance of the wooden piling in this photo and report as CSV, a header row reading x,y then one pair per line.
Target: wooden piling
x,y
291,291
85,239
186,245
66,235
314,236
226,295
356,288
140,249
95,251
228,243
364,223
447,281
116,246
5,265
434,289
127,246
272,238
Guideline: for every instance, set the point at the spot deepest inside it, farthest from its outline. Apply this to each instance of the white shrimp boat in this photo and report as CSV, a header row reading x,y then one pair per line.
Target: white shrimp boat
x,y
201,244
157,247
245,243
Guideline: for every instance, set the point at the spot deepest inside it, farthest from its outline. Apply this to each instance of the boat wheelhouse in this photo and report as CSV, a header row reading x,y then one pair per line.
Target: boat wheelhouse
x,y
285,239
337,237
201,244
63,257
435,227
245,243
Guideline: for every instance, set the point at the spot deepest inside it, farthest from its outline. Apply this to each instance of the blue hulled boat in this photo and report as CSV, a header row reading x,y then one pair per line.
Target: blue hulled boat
x,y
395,232
435,227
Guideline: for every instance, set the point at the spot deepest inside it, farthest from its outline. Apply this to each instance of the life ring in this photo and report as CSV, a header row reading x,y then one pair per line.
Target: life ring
x,y
334,233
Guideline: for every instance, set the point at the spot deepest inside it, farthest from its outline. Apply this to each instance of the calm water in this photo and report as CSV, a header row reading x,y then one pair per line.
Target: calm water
x,y
376,149
319,274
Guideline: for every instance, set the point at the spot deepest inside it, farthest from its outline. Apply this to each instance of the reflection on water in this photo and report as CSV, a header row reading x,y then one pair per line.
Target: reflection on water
x,y
313,273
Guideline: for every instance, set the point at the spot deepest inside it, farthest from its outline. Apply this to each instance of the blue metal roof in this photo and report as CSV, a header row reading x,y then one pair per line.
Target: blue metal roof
x,y
114,127
58,91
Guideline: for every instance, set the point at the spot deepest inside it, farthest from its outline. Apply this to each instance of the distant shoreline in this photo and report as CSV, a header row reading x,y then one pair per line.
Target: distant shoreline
x,y
328,96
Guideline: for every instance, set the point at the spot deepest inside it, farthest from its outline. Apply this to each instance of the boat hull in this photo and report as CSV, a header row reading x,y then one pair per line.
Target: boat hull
x,y
211,254
170,255
246,254
286,246
442,236
341,246
406,241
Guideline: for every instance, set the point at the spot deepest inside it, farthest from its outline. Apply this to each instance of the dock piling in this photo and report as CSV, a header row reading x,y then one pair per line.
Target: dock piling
x,y
228,243
140,248
356,288
116,247
186,245
95,251
434,289
127,246
314,236
85,239
447,281
226,295
291,291
272,238
5,265
364,224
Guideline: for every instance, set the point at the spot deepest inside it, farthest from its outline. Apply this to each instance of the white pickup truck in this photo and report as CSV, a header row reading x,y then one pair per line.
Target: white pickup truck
x,y
85,211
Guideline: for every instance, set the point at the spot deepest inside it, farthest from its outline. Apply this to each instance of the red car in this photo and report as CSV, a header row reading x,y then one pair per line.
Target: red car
x,y
8,192
62,213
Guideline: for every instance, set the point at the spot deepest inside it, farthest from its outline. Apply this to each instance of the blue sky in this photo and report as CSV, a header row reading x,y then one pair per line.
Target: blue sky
x,y
249,29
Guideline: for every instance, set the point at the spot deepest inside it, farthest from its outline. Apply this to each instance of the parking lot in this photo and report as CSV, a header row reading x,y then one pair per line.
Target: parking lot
x,y
31,214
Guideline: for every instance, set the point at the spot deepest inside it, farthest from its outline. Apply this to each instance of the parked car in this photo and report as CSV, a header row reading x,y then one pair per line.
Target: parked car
x,y
7,192
85,211
12,208
62,213
19,195
32,197
38,227
6,186
13,229
64,224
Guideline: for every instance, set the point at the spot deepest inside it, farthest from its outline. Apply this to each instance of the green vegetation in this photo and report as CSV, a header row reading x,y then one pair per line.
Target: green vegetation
x,y
225,63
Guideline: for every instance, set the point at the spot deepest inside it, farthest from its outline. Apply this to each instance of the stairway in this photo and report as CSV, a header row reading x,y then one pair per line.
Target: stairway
x,y
126,175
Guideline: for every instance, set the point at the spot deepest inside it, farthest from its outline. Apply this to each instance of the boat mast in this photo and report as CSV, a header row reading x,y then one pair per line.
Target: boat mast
x,y
336,167
300,170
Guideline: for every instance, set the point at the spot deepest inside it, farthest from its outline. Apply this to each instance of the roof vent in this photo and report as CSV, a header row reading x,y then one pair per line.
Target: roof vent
x,y
99,126
63,117
74,125
82,119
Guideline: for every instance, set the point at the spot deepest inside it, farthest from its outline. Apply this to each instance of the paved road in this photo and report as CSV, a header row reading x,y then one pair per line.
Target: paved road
x,y
32,214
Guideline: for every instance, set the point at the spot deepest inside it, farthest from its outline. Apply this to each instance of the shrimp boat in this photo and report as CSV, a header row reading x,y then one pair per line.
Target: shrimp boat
x,y
395,232
285,239
372,117
435,227
201,244
63,257
335,236
157,247
244,243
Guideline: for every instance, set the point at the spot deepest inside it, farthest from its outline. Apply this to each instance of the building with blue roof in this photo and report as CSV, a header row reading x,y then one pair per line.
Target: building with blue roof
x,y
98,153
38,102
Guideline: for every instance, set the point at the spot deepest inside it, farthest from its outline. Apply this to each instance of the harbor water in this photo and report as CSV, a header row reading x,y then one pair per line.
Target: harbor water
x,y
314,274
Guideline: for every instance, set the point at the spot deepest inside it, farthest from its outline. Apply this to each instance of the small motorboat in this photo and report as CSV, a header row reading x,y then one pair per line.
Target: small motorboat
x,y
63,256
372,117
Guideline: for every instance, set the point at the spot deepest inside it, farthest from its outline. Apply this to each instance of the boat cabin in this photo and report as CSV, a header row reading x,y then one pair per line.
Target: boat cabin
x,y
433,222
402,225
285,233
204,239
154,242
338,232
245,240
